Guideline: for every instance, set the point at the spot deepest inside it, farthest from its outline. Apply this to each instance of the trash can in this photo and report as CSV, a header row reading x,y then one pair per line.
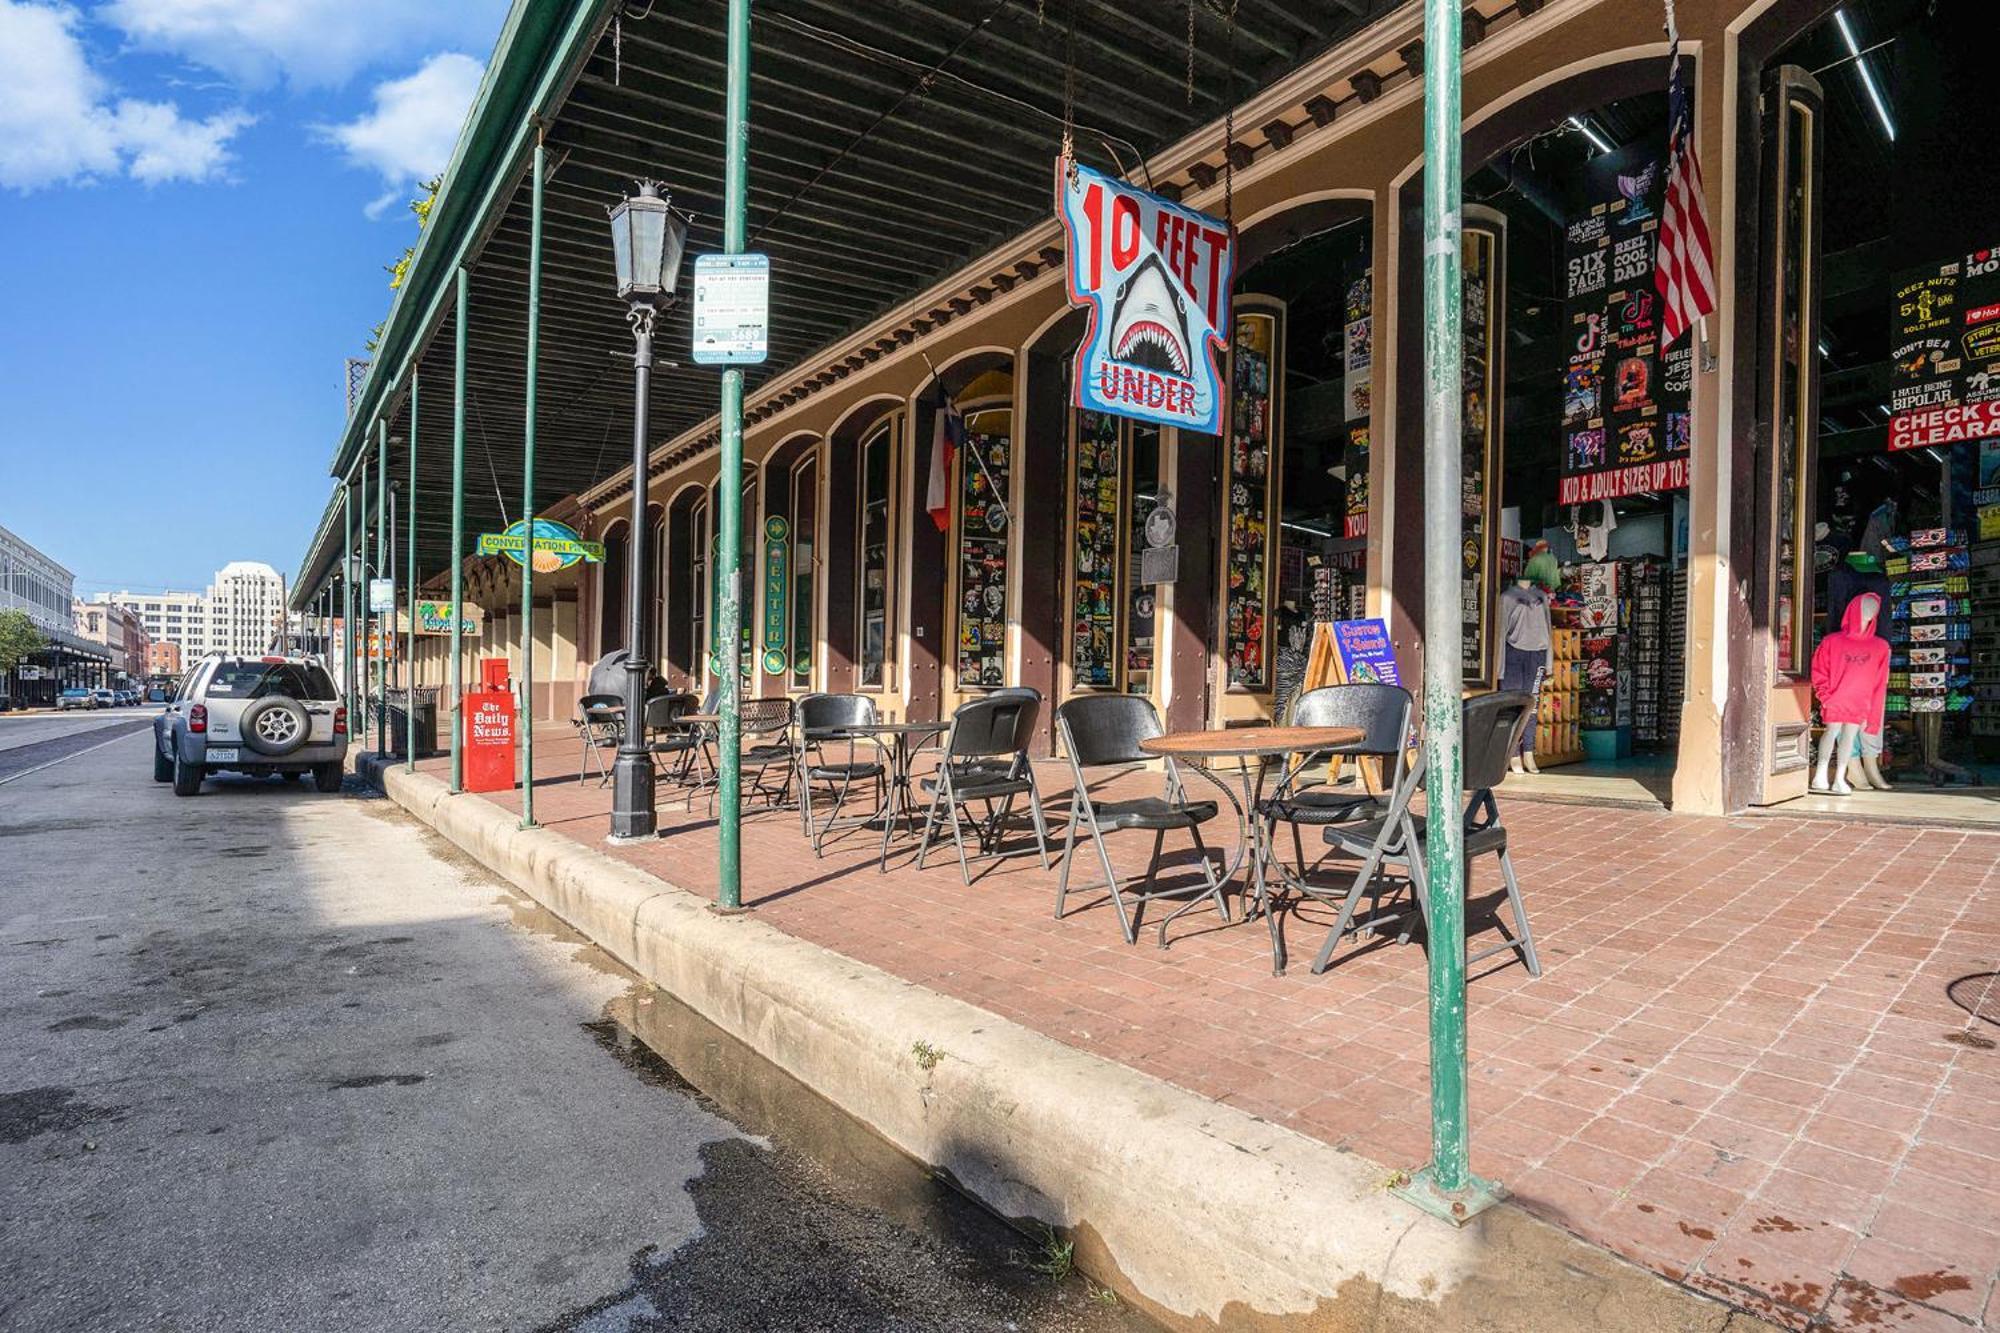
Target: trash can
x,y
425,706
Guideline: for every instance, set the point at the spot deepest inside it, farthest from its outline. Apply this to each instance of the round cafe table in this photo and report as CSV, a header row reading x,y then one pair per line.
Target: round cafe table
x,y
901,741
1253,749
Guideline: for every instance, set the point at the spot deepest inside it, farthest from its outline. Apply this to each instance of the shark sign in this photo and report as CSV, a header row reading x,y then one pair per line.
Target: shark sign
x,y
1156,278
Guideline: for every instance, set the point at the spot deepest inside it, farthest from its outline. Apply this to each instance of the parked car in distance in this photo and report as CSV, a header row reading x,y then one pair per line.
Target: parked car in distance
x,y
258,715
105,698
75,698
159,694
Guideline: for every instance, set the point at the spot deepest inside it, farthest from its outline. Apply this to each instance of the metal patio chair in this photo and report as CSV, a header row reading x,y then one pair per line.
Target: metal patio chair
x,y
765,728
986,760
1382,714
666,735
1103,731
819,716
1492,725
600,726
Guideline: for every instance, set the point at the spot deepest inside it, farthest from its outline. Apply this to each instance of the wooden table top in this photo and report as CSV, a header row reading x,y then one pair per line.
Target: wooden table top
x,y
710,718
1246,741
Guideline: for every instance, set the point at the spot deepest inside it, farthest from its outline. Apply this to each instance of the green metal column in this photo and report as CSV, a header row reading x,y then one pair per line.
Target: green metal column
x,y
410,598
729,611
347,602
357,721
458,538
1446,1186
527,719
381,571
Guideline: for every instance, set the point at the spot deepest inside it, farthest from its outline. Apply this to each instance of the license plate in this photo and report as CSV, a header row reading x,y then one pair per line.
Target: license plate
x,y
227,754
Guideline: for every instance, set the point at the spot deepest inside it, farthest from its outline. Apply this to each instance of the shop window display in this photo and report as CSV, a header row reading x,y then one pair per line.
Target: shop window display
x,y
875,533
1585,433
981,525
1114,485
1254,364
1306,402
1894,492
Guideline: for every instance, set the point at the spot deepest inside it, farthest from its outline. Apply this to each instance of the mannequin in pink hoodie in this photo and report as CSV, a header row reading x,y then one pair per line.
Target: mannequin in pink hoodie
x,y
1850,676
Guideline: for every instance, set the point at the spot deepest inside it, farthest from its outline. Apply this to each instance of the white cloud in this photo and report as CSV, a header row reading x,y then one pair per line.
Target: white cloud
x,y
165,147
408,135
56,125
319,43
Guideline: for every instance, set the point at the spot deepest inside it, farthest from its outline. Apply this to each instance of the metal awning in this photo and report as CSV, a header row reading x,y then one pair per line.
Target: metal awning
x,y
891,143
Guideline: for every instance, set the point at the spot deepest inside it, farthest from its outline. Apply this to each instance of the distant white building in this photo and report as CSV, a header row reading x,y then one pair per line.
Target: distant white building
x,y
31,582
237,614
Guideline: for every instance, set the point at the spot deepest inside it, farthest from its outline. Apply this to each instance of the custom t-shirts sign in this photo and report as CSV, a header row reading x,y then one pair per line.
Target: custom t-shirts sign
x,y
1155,277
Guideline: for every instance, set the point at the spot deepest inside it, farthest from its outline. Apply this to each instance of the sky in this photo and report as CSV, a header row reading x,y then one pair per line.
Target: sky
x,y
197,202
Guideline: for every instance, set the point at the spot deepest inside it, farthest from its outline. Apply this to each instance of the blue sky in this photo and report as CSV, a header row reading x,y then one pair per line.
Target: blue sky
x,y
197,199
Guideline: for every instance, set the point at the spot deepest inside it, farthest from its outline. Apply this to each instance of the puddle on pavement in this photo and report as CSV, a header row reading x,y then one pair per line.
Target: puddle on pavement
x,y
844,1230
874,1239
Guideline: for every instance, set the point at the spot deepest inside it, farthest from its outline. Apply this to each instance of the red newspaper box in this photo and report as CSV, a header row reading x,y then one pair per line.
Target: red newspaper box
x,y
489,740
492,673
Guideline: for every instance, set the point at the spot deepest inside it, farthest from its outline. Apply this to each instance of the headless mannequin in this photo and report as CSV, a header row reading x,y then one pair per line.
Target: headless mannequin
x,y
1856,640
1528,652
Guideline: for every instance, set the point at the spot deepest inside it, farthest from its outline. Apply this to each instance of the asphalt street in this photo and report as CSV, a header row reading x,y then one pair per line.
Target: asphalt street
x,y
276,1060
19,730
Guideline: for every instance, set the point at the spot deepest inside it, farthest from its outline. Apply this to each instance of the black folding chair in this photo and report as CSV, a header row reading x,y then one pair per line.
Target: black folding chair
x,y
1492,726
600,726
671,742
821,718
765,728
986,760
1382,714
1103,731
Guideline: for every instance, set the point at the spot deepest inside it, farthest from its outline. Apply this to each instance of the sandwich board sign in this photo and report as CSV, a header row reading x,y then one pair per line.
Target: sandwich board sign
x,y
1155,277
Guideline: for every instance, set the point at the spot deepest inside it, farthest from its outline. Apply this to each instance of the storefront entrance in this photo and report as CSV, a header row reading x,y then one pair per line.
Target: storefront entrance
x,y
1881,374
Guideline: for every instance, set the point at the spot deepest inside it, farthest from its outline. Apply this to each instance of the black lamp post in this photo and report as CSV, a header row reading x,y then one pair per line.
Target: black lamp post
x,y
647,238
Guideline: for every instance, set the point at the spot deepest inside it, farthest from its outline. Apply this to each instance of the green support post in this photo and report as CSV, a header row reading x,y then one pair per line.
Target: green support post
x,y
357,722
410,598
729,612
458,537
527,719
1446,1186
347,601
381,571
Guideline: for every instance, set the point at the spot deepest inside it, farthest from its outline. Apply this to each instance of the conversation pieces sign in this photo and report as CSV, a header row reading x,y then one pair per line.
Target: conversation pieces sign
x,y
1155,277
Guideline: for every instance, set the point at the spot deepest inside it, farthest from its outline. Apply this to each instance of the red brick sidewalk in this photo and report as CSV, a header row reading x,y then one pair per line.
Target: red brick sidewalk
x,y
1740,1067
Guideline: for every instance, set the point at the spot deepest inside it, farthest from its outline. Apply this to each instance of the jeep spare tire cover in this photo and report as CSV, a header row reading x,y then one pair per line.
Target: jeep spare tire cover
x,y
275,725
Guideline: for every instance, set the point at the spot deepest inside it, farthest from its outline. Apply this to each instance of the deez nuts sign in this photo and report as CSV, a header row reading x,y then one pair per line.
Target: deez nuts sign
x,y
1156,279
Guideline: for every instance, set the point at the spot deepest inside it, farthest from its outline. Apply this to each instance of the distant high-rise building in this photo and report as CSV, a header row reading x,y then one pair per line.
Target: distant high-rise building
x,y
237,614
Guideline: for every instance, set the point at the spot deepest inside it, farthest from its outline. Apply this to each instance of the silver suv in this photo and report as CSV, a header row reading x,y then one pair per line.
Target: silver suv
x,y
252,715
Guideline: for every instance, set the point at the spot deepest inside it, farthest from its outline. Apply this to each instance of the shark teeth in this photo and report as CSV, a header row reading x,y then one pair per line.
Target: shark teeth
x,y
1151,333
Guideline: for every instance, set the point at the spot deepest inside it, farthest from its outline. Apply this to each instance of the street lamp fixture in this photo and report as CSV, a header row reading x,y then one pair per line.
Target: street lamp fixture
x,y
647,238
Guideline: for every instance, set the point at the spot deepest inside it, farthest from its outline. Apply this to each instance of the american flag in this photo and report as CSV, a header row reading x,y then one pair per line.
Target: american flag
x,y
1685,275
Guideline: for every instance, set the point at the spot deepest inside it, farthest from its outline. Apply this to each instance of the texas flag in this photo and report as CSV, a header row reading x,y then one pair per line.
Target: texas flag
x,y
946,436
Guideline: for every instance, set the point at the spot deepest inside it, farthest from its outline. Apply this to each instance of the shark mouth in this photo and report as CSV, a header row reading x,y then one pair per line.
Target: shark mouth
x,y
1149,322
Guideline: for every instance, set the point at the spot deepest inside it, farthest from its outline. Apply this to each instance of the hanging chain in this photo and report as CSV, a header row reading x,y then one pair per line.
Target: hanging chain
x,y
1229,127
1069,97
1189,93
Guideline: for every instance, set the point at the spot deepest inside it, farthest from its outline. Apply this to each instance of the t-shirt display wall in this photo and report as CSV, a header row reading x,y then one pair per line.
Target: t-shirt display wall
x,y
1625,399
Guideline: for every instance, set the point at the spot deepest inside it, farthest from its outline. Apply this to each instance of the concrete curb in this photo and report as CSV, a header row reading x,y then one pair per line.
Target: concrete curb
x,y
1203,1215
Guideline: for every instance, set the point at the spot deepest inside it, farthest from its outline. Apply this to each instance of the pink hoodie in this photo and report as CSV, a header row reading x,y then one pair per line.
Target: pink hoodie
x,y
1850,669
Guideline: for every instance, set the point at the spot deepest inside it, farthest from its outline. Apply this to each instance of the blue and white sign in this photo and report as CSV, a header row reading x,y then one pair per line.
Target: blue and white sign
x,y
732,309
1156,278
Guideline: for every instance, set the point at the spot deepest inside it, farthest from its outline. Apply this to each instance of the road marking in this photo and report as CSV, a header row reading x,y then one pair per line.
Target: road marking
x,y
30,772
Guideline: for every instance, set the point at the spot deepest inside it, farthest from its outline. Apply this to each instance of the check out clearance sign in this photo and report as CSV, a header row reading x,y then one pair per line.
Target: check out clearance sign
x,y
1156,278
